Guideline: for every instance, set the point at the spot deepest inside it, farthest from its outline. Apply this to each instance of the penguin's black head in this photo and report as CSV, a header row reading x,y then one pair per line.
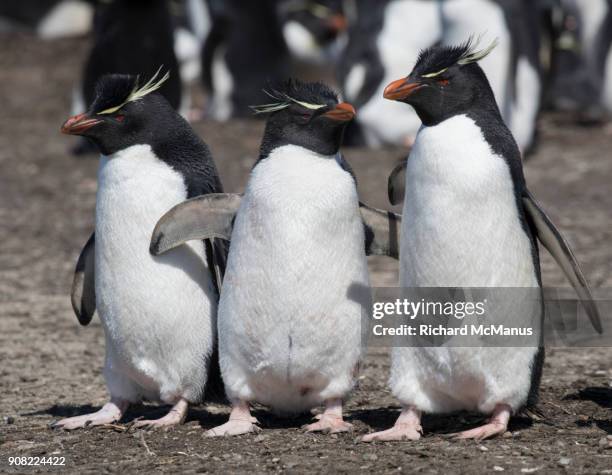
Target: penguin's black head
x,y
123,114
446,81
305,114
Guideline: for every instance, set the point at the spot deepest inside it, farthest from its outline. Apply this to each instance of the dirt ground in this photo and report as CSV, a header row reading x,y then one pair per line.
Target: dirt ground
x,y
50,367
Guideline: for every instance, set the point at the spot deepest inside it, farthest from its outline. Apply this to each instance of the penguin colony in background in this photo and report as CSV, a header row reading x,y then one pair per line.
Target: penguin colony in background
x,y
551,53
292,312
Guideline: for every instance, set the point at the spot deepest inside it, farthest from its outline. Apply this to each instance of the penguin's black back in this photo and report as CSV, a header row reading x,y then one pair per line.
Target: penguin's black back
x,y
133,37
177,144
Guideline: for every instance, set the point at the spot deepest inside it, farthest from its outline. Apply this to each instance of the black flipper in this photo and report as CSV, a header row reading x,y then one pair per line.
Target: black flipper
x,y
203,217
396,184
382,231
83,293
554,242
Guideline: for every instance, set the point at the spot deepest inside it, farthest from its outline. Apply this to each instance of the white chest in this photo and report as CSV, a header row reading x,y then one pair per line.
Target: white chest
x,y
134,189
461,225
297,245
302,198
134,288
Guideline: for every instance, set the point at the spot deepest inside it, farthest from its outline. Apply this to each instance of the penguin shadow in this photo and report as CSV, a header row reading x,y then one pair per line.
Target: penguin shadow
x,y
441,425
271,420
602,396
62,411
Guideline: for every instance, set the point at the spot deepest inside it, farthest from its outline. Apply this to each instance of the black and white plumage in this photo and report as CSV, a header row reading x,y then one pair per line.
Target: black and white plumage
x,y
297,285
581,62
384,39
158,313
468,221
313,29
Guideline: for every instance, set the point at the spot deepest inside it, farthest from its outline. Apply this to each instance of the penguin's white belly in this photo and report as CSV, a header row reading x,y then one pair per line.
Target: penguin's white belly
x,y
461,228
296,287
158,312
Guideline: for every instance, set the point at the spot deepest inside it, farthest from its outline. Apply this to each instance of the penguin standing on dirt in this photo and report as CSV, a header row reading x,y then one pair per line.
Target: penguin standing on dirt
x,y
296,294
158,313
469,221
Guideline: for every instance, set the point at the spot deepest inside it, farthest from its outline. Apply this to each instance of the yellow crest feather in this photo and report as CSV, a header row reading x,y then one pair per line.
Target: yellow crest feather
x,y
138,93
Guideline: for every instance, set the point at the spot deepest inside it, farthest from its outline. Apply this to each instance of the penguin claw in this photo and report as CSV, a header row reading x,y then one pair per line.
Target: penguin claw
x,y
85,421
234,427
329,425
498,424
492,429
175,416
397,432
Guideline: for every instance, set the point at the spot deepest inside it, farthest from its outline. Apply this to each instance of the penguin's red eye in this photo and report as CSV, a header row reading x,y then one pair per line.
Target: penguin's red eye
x,y
119,117
443,82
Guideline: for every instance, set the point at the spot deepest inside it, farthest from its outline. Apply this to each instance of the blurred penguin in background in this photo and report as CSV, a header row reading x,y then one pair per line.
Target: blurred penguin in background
x,y
513,68
313,29
581,47
132,37
603,58
254,44
244,50
386,38
192,24
50,19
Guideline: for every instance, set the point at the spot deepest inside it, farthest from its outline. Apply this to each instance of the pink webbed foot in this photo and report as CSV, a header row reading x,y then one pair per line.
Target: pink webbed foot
x,y
240,422
407,427
498,424
331,420
111,412
175,416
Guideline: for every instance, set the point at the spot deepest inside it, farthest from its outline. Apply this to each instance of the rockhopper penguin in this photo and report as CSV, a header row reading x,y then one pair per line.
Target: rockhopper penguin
x,y
296,294
469,221
158,313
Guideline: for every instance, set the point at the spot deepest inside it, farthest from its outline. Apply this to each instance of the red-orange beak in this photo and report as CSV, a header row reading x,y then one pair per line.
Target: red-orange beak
x,y
337,23
79,124
401,89
343,112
